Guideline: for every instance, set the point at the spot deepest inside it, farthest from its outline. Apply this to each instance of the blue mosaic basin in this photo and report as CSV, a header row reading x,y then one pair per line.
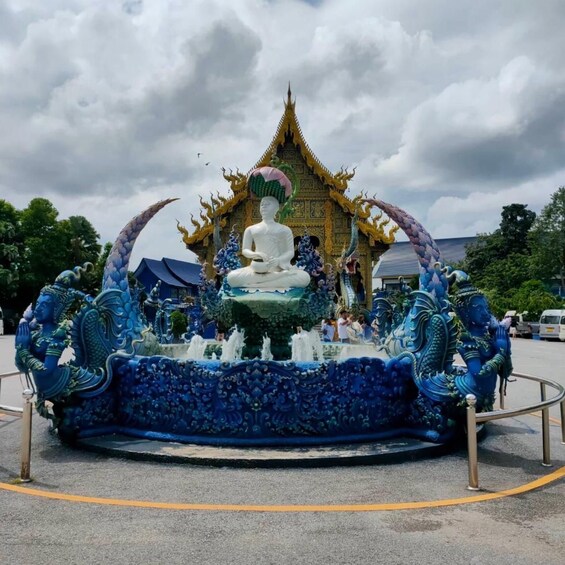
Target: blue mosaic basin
x,y
249,402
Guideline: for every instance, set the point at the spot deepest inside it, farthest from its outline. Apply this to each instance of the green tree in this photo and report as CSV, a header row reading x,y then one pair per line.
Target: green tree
x,y
81,246
81,239
499,260
178,323
44,247
547,240
515,224
11,252
533,297
52,246
506,274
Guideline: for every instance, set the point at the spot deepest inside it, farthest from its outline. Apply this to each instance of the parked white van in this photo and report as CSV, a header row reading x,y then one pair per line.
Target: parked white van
x,y
552,325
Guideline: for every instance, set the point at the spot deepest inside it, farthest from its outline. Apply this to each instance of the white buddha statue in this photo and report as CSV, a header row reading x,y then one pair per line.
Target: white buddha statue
x,y
270,246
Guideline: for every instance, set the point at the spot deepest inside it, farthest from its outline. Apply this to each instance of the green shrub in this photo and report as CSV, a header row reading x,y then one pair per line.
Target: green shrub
x,y
178,323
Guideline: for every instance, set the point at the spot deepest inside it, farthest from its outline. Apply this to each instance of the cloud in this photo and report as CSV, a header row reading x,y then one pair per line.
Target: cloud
x,y
102,109
449,110
506,128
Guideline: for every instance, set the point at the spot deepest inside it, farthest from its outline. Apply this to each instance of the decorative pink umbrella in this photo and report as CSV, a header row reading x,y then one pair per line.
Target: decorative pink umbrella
x,y
269,181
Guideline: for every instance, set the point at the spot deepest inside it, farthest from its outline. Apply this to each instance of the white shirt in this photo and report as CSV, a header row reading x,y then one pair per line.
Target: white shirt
x,y
330,331
342,328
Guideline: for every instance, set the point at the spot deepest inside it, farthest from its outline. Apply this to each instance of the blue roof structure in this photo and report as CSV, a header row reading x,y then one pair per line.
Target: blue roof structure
x,y
159,270
400,259
188,273
177,277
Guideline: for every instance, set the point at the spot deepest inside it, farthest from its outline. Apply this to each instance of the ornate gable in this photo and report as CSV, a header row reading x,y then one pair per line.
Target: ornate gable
x,y
321,208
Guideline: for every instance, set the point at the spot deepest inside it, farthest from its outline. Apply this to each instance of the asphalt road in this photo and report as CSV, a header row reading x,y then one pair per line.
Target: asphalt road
x,y
518,530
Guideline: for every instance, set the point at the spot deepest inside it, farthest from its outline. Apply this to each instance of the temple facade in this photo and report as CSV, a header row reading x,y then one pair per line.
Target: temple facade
x,y
321,209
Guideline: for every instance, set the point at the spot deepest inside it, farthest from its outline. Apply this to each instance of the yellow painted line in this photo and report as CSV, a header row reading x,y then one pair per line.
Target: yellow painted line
x,y
539,415
551,419
556,475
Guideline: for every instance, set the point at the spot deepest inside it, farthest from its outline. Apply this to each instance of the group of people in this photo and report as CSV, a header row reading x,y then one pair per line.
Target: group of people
x,y
348,328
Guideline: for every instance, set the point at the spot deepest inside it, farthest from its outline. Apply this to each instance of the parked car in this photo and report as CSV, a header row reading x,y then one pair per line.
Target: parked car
x,y
521,325
552,325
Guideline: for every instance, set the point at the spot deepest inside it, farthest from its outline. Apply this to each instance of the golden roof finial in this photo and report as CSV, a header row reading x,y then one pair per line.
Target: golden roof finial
x,y
288,102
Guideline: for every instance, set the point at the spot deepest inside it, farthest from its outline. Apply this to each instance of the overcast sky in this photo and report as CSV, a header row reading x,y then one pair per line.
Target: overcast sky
x,y
449,109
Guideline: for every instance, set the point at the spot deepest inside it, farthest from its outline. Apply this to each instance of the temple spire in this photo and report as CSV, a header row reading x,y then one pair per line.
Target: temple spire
x,y
288,103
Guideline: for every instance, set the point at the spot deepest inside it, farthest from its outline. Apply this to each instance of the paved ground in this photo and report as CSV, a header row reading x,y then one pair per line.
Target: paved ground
x,y
521,529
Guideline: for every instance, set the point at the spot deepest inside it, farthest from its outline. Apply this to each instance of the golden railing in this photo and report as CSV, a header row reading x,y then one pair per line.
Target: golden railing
x,y
545,403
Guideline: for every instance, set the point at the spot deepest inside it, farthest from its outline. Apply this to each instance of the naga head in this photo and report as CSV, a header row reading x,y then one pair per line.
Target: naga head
x,y
55,300
469,302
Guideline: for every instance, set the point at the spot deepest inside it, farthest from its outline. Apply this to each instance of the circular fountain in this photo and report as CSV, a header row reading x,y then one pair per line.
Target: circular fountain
x,y
117,384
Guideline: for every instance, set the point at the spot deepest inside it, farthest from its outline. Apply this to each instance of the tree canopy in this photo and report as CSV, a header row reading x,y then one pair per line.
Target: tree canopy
x,y
547,240
516,264
35,246
11,251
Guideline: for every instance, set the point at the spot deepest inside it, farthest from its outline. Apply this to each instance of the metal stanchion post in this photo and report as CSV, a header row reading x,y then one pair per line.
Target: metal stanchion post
x,y
562,406
545,430
27,395
472,443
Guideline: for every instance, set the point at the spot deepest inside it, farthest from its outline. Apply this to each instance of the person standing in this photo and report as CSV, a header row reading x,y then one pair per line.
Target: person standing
x,y
354,330
343,324
328,330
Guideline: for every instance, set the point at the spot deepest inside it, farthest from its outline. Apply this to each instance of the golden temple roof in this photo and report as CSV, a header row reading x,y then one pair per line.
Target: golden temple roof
x,y
289,125
337,183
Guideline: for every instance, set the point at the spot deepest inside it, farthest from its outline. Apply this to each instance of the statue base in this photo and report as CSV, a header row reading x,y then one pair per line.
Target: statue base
x,y
275,313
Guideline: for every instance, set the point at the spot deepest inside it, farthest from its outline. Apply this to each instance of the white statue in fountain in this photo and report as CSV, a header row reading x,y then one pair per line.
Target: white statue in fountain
x,y
301,346
270,246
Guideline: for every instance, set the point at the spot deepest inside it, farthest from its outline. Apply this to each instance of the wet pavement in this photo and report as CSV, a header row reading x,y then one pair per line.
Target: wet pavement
x,y
107,509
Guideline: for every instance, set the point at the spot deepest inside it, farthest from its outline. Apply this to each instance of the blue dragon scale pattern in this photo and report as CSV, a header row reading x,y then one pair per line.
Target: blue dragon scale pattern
x,y
111,386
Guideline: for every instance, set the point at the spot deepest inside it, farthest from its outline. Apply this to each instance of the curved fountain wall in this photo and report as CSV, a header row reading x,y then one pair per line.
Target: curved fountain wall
x,y
250,402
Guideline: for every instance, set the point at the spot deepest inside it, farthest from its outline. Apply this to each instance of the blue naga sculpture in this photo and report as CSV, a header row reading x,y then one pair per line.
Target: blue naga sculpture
x,y
114,383
162,326
429,335
347,266
100,328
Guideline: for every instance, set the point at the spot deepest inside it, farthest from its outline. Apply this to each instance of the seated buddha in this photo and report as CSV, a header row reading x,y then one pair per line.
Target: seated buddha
x,y
270,246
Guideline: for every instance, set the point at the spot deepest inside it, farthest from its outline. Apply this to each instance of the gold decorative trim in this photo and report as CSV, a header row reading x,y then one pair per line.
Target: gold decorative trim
x,y
289,125
248,212
218,207
237,180
337,183
371,226
328,228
